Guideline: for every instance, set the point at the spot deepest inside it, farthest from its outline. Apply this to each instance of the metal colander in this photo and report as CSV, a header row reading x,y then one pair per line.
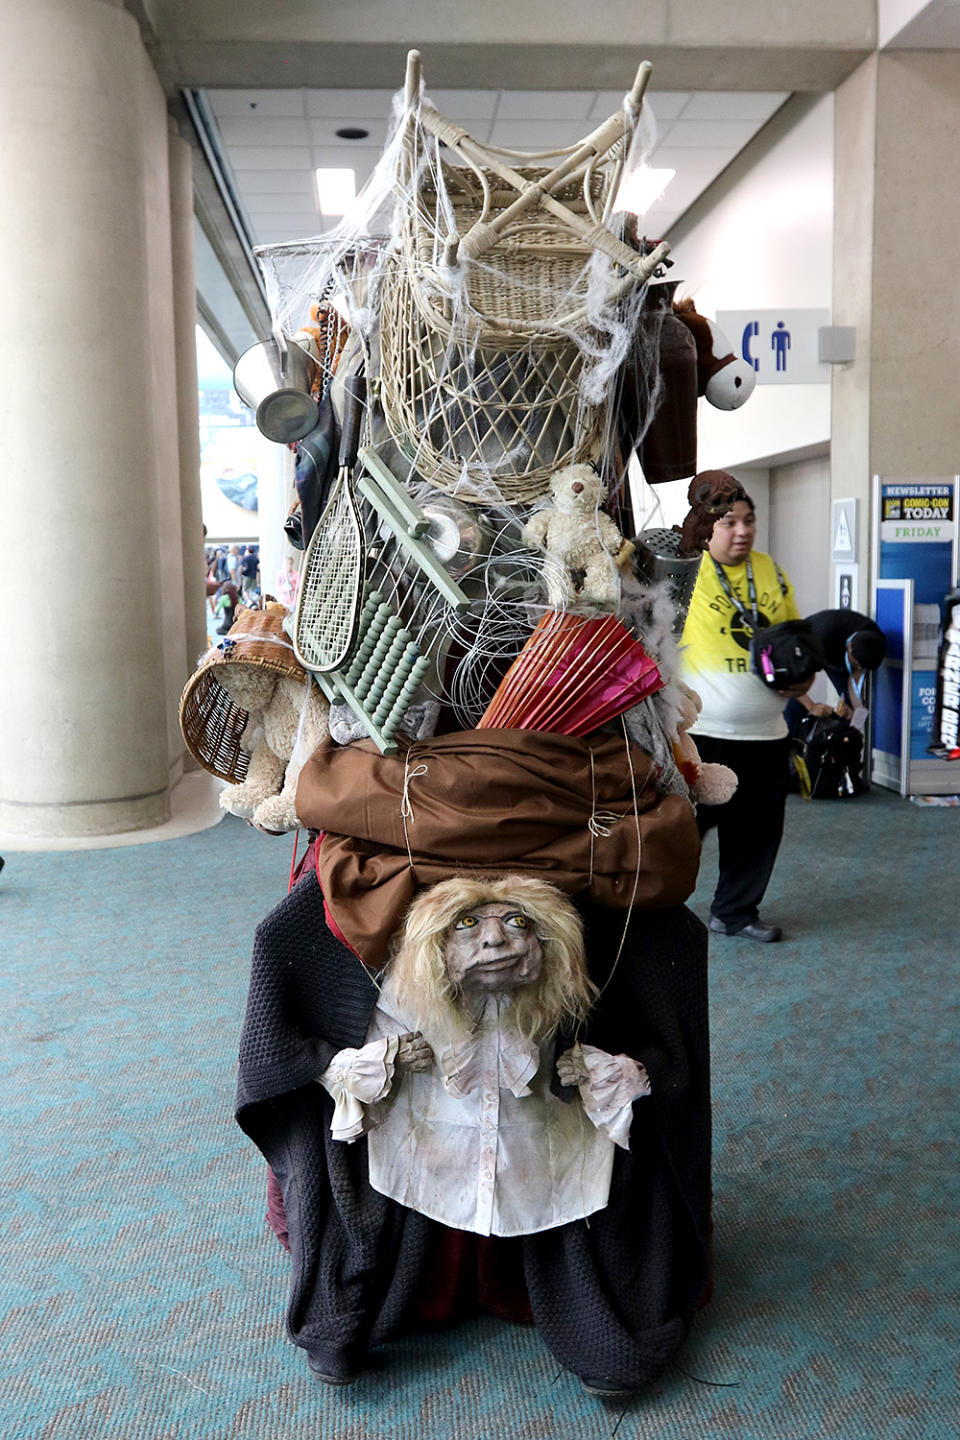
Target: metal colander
x,y
656,559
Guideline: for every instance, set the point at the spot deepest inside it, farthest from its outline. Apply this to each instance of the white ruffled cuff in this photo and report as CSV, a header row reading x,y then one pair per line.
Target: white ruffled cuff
x,y
356,1078
608,1089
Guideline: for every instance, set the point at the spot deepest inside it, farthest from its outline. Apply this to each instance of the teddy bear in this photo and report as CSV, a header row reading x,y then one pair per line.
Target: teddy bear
x,y
580,536
287,720
708,784
660,724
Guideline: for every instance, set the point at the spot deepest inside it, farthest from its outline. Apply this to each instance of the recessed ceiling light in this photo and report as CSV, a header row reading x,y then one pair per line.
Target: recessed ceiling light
x,y
640,188
352,132
337,190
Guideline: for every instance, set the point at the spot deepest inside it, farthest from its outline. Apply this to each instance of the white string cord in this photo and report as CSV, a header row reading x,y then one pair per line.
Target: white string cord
x,y
406,807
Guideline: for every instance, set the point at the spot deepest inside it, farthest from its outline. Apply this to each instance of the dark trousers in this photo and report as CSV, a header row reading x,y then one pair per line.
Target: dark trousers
x,y
749,826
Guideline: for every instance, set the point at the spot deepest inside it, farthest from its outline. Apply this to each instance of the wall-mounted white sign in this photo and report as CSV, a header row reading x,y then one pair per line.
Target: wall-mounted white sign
x,y
781,345
844,531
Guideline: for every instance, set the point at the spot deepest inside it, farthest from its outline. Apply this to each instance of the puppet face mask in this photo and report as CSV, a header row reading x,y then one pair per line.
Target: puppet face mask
x,y
492,948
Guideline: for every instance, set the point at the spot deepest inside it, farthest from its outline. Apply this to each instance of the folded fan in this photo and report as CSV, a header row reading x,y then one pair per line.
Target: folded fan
x,y
574,674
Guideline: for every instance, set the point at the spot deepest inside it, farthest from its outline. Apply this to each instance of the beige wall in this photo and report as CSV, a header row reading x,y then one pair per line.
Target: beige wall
x,y
894,409
800,528
726,44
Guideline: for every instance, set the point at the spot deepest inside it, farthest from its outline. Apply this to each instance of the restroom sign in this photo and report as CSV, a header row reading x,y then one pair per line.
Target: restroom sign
x,y
781,345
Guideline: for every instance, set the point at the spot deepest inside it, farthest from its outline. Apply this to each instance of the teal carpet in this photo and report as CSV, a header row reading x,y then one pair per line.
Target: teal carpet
x,y
142,1298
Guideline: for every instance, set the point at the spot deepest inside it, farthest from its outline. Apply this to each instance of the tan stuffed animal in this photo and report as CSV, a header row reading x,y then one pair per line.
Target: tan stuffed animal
x,y
580,536
251,715
287,721
709,784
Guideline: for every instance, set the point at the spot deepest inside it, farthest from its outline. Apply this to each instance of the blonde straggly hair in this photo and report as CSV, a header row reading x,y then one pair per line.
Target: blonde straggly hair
x,y
424,989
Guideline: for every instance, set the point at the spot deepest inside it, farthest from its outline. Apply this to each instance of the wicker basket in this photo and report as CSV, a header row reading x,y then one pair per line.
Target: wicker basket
x,y
488,405
212,723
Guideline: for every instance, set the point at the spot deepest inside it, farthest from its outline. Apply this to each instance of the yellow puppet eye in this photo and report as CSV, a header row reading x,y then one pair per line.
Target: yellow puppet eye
x,y
519,922
466,922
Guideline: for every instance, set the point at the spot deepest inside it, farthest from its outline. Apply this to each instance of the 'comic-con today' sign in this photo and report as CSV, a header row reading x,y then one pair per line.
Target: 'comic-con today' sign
x,y
917,513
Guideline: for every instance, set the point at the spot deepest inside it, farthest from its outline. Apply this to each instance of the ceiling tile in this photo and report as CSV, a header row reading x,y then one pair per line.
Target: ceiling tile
x,y
349,103
293,222
734,105
537,134
277,183
545,105
253,129
258,102
465,104
323,131
263,157
606,102
668,104
709,134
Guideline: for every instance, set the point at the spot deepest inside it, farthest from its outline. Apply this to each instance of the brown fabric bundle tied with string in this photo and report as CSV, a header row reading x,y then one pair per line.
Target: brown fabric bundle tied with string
x,y
581,813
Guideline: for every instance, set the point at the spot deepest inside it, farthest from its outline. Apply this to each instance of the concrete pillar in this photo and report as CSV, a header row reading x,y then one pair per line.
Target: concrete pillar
x,y
897,214
188,430
86,388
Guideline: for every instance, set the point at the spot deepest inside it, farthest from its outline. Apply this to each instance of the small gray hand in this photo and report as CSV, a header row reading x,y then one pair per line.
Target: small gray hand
x,y
413,1052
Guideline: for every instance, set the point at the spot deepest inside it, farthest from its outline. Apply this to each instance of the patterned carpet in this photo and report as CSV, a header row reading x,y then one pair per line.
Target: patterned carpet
x,y
142,1297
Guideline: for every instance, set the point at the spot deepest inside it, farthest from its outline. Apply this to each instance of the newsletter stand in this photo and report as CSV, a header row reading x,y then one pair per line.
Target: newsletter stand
x,y
915,534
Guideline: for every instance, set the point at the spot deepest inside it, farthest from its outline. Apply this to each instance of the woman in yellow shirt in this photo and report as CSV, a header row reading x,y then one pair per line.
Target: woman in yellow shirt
x,y
741,724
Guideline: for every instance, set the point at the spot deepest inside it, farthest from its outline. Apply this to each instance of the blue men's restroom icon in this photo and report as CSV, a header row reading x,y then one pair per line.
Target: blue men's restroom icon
x,y
780,344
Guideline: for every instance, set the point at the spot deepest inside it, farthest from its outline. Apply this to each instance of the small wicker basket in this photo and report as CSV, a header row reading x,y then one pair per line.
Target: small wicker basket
x,y
212,723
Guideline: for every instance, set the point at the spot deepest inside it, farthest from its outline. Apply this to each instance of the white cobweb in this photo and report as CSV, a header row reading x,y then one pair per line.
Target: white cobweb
x,y
486,372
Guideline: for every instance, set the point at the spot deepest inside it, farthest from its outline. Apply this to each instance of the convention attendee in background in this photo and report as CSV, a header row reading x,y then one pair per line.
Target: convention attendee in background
x,y
741,724
853,646
233,563
227,600
288,582
249,568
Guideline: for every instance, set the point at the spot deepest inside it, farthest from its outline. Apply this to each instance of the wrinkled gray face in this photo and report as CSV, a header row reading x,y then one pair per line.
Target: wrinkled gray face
x,y
492,948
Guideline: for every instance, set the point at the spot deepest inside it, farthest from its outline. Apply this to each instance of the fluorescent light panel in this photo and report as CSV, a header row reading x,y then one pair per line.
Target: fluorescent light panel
x,y
336,190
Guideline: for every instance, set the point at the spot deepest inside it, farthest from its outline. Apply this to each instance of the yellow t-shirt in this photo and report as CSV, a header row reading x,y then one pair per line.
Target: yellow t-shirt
x,y
715,650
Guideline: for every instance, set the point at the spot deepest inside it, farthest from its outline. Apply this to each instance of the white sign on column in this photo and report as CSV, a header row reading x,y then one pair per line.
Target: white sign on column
x,y
781,345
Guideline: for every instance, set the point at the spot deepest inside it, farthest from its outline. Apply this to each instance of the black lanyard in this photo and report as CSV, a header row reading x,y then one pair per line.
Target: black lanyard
x,y
752,620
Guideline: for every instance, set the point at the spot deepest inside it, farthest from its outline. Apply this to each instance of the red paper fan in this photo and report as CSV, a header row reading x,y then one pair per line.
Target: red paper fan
x,y
573,674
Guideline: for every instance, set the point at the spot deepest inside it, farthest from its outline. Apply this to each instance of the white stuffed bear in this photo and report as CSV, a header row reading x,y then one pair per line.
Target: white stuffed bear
x,y
577,533
287,721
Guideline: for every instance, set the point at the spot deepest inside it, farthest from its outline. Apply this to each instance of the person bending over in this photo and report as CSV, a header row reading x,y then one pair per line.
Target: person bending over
x,y
853,647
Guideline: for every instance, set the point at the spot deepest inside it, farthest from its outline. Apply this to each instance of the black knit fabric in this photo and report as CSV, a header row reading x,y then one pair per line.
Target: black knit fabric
x,y
612,1297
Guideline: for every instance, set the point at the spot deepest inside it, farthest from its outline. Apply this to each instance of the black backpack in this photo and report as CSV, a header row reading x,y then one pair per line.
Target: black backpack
x,y
785,654
828,756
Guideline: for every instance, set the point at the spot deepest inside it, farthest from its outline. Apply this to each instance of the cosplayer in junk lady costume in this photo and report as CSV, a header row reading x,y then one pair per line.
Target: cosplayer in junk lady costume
x,y
504,330
618,1069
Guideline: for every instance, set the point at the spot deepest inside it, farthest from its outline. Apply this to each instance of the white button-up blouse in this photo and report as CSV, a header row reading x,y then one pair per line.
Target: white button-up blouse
x,y
479,1141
